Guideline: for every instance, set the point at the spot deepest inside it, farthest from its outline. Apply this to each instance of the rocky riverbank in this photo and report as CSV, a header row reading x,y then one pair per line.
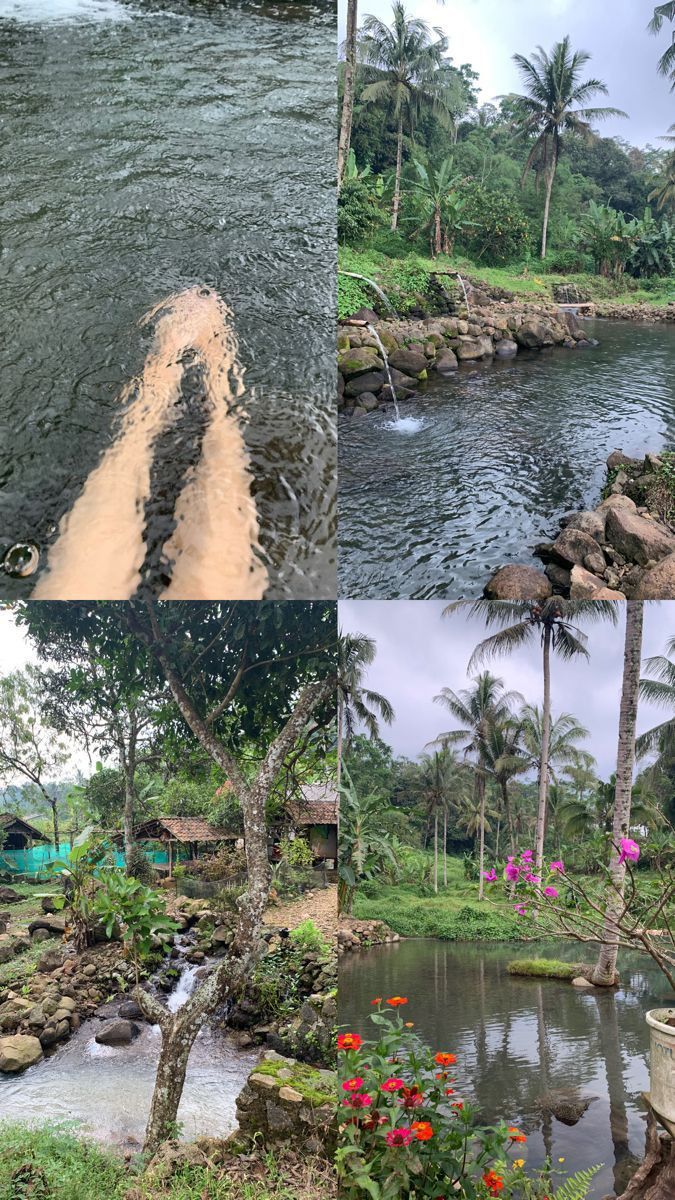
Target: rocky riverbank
x,y
354,934
417,349
623,549
610,311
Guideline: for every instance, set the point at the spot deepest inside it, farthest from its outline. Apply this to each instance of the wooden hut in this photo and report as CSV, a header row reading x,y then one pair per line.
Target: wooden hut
x,y
315,810
191,832
17,834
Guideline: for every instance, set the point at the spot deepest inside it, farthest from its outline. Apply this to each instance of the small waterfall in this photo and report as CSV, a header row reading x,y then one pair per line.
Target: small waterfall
x,y
184,988
375,286
466,297
373,332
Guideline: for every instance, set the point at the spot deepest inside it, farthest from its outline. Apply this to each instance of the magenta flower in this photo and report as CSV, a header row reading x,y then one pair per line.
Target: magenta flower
x,y
399,1137
521,910
551,891
526,855
511,871
629,849
530,878
558,866
491,876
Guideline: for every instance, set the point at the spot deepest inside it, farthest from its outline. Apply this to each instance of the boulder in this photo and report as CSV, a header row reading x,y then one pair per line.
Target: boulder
x,y
573,545
446,363
534,334
372,381
518,582
55,924
369,402
410,362
592,523
19,1052
595,562
639,539
129,1010
608,593
616,502
366,314
618,459
584,585
475,347
118,1033
9,896
560,576
659,582
50,961
358,361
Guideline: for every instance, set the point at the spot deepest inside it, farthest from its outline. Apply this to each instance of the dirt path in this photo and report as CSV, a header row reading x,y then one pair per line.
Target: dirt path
x,y
319,906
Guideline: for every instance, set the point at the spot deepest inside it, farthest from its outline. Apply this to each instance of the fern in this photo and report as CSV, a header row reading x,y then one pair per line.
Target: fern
x,y
576,1187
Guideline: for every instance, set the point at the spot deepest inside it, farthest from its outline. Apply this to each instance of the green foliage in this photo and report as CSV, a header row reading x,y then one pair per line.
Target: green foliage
x,y
364,849
568,261
136,910
104,796
497,229
543,968
307,937
138,864
296,851
577,1186
78,877
53,1163
446,916
358,213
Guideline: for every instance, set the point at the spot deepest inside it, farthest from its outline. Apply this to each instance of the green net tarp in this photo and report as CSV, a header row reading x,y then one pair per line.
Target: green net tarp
x,y
37,860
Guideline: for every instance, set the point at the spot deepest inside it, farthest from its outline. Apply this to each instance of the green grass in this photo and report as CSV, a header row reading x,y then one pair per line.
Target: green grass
x,y
52,1164
453,915
544,968
19,970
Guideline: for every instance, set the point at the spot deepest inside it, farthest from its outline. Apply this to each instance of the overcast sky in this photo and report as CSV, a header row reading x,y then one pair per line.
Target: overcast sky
x,y
419,652
486,33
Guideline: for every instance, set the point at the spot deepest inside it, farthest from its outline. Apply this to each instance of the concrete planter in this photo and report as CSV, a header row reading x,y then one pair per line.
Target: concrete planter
x,y
662,1062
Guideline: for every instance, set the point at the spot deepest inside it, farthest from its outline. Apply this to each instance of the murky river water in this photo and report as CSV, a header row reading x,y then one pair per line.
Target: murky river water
x,y
149,148
502,452
517,1039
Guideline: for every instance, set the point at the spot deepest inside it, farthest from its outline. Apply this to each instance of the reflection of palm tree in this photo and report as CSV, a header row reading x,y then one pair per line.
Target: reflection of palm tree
x,y
611,1051
356,703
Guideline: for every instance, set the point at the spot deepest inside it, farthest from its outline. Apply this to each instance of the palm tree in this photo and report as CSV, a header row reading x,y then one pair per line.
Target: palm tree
x,y
659,691
664,192
348,94
551,621
476,710
438,774
505,760
356,652
555,103
605,968
405,63
665,12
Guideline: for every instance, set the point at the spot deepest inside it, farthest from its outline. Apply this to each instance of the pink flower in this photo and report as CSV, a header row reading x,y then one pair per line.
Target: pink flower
x,y
358,1100
526,856
551,891
558,866
392,1085
511,871
629,849
530,878
521,910
399,1137
491,876
353,1085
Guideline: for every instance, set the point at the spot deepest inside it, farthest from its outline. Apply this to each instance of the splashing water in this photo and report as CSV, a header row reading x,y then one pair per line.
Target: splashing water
x,y
183,989
373,332
375,286
405,424
466,297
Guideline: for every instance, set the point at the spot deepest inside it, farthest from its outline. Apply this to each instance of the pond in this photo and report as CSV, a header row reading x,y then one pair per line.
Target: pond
x,y
502,451
518,1039
149,148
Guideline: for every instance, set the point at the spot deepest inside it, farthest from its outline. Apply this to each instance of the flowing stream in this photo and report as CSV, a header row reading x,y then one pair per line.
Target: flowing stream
x,y
501,451
105,1091
150,149
518,1039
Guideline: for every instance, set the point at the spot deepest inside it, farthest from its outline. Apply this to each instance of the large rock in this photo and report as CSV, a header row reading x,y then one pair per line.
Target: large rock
x,y
534,334
54,924
518,582
372,381
9,896
410,362
618,459
637,538
573,545
617,502
475,347
592,523
19,1052
506,348
446,363
584,585
358,361
659,582
118,1033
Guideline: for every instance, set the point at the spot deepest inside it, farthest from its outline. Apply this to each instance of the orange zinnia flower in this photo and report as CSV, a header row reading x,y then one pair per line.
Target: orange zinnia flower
x,y
377,1000
445,1060
423,1130
349,1041
396,1001
493,1182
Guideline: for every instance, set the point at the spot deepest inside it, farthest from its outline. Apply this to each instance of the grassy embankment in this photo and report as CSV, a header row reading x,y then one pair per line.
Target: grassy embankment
x,y
52,1164
406,280
18,970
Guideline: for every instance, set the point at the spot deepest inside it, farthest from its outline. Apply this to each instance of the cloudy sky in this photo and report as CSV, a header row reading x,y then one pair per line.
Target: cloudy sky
x,y
486,33
419,652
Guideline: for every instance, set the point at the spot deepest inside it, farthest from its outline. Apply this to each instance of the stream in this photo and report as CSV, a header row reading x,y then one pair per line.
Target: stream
x,y
517,1039
489,459
105,1091
149,148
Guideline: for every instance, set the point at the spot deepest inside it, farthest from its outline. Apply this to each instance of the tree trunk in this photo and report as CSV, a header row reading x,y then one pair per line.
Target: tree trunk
x,y
55,819
605,968
543,765
506,801
436,852
340,739
437,232
481,818
445,845
348,97
547,205
397,181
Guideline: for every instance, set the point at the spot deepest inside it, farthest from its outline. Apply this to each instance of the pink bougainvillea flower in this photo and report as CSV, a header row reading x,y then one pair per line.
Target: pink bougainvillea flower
x,y
353,1085
551,891
512,871
558,865
530,878
392,1084
629,850
399,1137
491,876
526,855
521,910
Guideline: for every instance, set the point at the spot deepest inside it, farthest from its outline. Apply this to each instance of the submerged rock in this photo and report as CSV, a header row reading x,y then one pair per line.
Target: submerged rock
x,y
118,1033
565,1104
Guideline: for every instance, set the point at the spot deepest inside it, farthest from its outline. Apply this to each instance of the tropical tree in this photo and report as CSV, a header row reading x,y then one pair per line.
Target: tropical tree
x,y
555,103
404,68
664,192
605,968
442,205
476,710
365,848
347,113
564,734
504,760
660,691
665,12
29,748
437,772
357,705
610,237
554,623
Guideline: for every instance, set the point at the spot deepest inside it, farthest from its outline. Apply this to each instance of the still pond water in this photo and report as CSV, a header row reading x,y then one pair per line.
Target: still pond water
x,y
518,1039
148,148
503,450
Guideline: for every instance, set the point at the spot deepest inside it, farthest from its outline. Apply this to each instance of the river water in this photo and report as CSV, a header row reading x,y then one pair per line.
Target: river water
x,y
501,452
148,149
517,1039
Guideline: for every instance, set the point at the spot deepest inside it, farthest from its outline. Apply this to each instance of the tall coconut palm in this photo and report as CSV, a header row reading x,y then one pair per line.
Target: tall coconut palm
x,y
347,114
554,623
505,760
664,192
405,65
476,710
605,967
665,12
356,703
555,103
660,691
439,776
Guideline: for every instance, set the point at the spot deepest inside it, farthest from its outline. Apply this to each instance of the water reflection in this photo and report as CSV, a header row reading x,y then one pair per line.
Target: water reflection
x,y
525,1045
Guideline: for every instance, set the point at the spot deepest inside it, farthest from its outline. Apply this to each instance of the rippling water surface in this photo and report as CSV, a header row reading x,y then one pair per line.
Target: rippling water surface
x,y
502,452
148,148
518,1039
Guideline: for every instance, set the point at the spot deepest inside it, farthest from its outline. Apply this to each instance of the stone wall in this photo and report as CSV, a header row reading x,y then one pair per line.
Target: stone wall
x,y
359,935
289,1102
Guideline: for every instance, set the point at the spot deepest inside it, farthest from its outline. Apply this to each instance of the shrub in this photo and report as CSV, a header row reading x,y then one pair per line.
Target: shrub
x,y
498,230
357,213
568,262
308,937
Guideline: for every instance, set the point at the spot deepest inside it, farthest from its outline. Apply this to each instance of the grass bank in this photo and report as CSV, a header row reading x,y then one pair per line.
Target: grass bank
x,y
544,968
408,281
52,1164
451,915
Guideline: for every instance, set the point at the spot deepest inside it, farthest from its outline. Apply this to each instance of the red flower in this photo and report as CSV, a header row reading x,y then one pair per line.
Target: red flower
x,y
493,1182
377,1000
352,1085
397,1001
445,1060
399,1137
349,1041
358,1100
423,1130
457,1104
516,1135
411,1097
392,1085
